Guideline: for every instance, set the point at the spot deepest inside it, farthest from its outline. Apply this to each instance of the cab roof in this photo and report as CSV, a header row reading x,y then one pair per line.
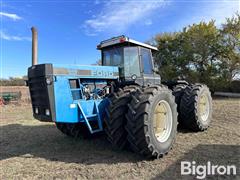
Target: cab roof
x,y
123,40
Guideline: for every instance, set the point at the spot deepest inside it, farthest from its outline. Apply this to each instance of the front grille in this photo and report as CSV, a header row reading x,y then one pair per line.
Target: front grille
x,y
39,94
42,94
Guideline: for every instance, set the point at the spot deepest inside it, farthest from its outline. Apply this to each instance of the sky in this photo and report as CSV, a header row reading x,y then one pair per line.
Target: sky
x,y
69,30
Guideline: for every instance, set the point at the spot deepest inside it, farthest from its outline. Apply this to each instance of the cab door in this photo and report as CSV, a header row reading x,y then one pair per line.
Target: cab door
x,y
149,77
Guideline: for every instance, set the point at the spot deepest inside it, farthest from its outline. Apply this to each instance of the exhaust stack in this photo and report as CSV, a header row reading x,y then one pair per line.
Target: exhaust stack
x,y
34,46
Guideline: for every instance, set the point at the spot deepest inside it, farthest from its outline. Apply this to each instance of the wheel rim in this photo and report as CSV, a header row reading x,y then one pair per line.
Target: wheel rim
x,y
162,121
204,107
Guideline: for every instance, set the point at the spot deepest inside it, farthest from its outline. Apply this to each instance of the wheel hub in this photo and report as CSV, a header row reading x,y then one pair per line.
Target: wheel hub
x,y
204,107
162,121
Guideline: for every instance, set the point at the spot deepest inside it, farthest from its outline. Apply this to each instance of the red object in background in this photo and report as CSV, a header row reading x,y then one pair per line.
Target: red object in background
x,y
1,102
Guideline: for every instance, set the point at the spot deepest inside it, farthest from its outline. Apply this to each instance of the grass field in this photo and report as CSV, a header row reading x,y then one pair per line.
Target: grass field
x,y
34,150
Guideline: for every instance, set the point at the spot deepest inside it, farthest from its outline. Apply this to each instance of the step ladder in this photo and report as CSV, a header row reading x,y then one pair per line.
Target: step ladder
x,y
87,117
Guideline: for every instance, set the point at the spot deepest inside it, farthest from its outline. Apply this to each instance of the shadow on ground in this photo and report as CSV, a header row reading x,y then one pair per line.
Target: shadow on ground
x,y
201,154
45,141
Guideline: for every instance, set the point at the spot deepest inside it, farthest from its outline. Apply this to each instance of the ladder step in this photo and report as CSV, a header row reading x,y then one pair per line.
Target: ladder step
x,y
86,117
96,130
91,116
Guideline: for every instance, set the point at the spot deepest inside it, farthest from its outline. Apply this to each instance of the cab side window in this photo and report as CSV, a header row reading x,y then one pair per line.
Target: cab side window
x,y
146,61
106,58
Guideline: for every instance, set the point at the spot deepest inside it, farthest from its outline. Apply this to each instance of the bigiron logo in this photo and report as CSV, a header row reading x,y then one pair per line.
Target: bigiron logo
x,y
201,171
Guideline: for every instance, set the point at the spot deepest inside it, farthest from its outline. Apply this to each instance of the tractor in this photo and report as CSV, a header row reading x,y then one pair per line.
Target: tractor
x,y
124,97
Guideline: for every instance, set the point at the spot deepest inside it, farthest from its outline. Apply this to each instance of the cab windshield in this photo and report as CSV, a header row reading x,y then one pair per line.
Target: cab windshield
x,y
113,57
126,58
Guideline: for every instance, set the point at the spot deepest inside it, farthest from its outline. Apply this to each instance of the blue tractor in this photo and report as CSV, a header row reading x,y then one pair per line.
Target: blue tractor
x,y
123,97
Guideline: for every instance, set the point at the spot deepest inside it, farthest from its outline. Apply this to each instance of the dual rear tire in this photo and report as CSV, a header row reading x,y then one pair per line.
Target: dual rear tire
x,y
195,110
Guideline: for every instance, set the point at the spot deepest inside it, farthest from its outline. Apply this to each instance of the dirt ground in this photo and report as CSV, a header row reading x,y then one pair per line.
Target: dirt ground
x,y
31,149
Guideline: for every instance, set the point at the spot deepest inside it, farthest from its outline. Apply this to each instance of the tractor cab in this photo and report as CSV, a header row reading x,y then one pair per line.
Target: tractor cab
x,y
134,60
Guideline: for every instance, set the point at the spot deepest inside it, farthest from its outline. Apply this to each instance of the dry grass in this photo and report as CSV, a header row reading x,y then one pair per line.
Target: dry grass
x,y
33,150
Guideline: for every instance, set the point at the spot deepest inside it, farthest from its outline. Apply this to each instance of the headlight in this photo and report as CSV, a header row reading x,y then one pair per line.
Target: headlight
x,y
36,110
47,112
48,81
134,77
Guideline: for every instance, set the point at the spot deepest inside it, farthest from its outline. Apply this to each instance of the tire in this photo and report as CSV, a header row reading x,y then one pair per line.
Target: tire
x,y
140,118
178,92
74,130
115,119
191,114
70,129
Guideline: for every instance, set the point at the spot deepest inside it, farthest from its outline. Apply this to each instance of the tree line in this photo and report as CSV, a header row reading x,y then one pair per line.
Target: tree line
x,y
13,81
202,52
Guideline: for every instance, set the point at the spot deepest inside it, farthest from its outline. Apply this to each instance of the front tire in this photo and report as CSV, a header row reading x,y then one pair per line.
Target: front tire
x,y
115,119
76,130
69,129
152,121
